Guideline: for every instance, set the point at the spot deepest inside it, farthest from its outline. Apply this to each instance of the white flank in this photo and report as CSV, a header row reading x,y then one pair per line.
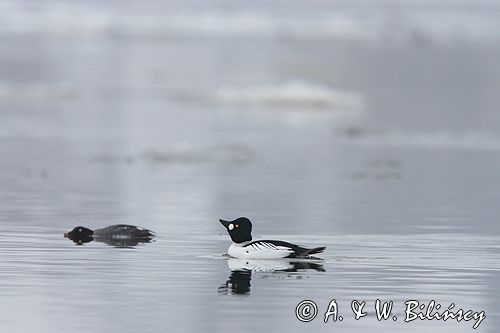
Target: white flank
x,y
260,250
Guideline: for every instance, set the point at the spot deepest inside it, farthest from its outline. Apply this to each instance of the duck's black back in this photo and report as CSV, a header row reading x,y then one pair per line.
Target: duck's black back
x,y
123,231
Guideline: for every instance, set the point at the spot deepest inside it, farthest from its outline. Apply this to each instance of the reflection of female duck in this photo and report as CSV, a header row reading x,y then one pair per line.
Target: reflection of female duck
x,y
241,271
120,235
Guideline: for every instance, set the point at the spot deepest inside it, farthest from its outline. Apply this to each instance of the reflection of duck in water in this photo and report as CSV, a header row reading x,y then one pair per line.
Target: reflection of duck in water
x,y
241,271
120,235
238,282
242,247
274,265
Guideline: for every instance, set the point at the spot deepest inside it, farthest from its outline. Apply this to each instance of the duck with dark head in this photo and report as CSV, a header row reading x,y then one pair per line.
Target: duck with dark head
x,y
244,247
120,235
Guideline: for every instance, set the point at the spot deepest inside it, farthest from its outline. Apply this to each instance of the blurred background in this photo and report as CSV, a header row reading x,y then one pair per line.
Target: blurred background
x,y
335,123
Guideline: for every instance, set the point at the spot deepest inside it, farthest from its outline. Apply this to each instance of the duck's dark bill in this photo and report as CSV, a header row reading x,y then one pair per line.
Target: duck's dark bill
x,y
225,223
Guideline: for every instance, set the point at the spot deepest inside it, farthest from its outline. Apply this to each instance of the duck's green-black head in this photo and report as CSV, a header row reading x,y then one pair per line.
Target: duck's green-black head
x,y
240,229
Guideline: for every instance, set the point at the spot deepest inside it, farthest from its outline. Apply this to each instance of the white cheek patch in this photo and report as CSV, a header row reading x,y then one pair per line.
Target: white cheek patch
x,y
230,227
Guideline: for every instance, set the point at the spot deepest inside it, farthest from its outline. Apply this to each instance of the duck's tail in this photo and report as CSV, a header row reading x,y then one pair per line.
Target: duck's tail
x,y
302,252
316,250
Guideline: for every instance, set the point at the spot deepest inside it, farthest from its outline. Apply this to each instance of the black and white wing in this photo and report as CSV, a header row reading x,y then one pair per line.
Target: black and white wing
x,y
270,249
266,249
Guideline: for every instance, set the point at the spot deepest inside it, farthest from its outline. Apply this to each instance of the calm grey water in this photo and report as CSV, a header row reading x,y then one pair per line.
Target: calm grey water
x,y
369,128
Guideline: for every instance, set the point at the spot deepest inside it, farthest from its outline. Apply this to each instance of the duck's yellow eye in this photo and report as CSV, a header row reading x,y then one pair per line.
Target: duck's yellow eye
x,y
236,225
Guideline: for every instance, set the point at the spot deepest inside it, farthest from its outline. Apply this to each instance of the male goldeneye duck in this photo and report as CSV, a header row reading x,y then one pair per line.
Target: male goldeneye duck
x,y
242,247
116,235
